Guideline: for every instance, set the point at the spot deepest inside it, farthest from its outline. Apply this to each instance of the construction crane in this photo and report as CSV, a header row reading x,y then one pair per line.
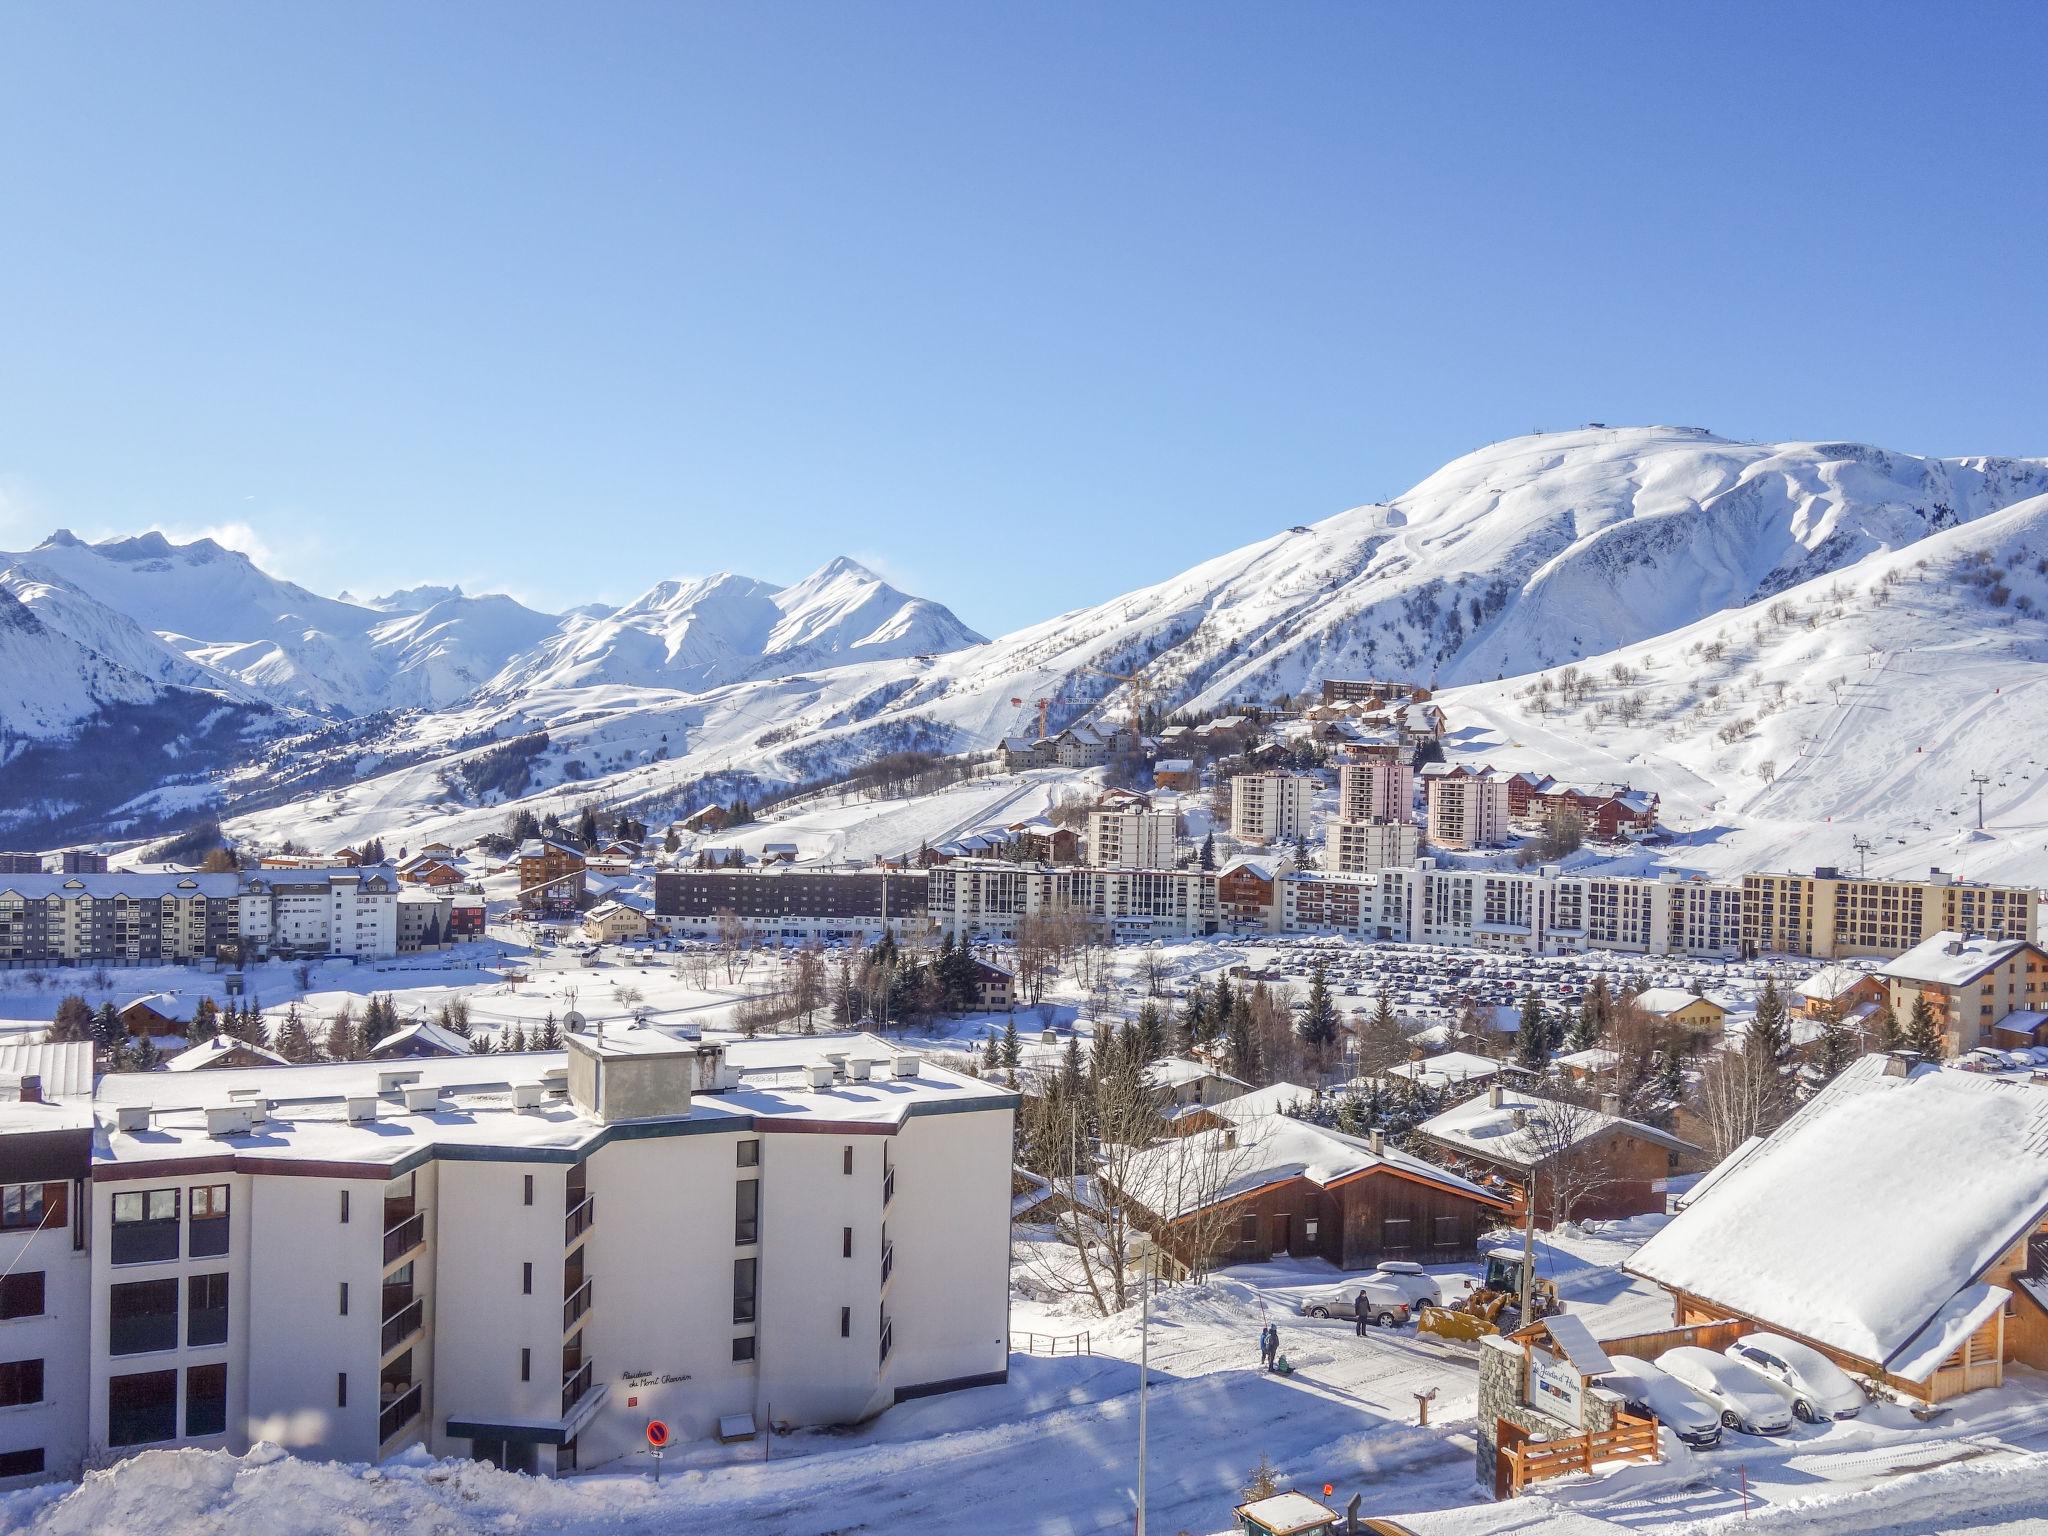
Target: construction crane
x,y
1043,706
1135,681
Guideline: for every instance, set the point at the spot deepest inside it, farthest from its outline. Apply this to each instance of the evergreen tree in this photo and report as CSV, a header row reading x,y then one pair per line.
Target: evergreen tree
x,y
1770,1035
1319,1020
380,1018
73,1020
145,1057
1884,1029
549,1035
1671,1076
1194,1019
1013,1053
106,1030
1151,1032
340,1044
586,826
671,843
480,1045
1380,1043
205,1019
293,1042
1837,1044
1072,1075
516,1041
1589,1025
1209,851
991,1055
1532,1034
1923,1030
1245,1056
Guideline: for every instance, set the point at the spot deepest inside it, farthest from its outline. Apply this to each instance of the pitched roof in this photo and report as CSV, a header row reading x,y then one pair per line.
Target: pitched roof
x,y
1952,959
65,1066
1826,1232
220,1048
1491,1131
1663,1000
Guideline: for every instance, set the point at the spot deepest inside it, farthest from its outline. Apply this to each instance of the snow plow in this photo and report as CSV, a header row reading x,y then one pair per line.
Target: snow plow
x,y
1494,1305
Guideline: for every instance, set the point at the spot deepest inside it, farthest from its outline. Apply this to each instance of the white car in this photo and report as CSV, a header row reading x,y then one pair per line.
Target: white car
x,y
1814,1385
1647,1392
1748,1401
1411,1280
1381,1303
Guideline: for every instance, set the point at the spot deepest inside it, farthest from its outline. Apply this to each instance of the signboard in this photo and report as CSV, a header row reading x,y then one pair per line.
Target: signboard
x,y
657,1434
1557,1388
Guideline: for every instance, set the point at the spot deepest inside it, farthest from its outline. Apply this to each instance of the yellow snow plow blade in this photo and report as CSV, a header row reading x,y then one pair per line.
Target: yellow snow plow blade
x,y
1446,1324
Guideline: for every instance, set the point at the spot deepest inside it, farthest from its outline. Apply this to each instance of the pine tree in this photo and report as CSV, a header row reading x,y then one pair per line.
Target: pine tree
x,y
516,1041
1319,1021
1884,1029
1837,1044
1380,1043
73,1020
1770,1036
293,1042
1245,1057
1013,1053
1671,1076
1151,1032
1209,851
1194,1019
1532,1034
991,1056
145,1057
1923,1030
1072,1075
549,1036
106,1030
480,1045
205,1019
340,1044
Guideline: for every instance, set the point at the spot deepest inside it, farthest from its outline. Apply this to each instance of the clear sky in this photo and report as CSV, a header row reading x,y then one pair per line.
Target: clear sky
x,y
1026,304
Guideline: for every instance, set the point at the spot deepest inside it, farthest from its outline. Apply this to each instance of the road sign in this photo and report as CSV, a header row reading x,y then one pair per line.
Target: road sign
x,y
657,1433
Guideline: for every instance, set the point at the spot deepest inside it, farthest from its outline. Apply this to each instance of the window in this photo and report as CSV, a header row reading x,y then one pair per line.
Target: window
x,y
142,1316
744,1275
344,1207
526,1279
341,1390
1446,1232
846,1242
21,1295
529,1189
526,1365
846,1162
743,1348
209,1221
344,1298
145,1226
142,1407
1394,1232
1248,1231
746,1211
31,1205
206,1401
206,1309
21,1381
21,1463
846,1322
750,1154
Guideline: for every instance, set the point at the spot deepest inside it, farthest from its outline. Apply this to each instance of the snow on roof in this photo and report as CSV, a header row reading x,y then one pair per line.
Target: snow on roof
x,y
1596,1058
120,883
1719,1171
1966,1311
1177,1071
427,1033
1449,1068
65,1066
219,1048
1568,1331
1173,765
1834,981
170,1005
1263,869
1286,1514
1663,1000
1265,1146
1826,1232
1952,959
1490,1130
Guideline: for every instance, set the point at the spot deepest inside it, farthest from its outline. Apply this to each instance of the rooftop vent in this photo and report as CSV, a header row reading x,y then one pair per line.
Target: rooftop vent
x,y
1521,1119
859,1068
819,1074
393,1079
132,1118
1493,1097
1377,1142
421,1096
904,1066
361,1107
527,1095
230,1120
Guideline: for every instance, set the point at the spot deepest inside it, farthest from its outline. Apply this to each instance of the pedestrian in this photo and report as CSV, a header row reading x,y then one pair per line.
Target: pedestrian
x,y
1358,1313
1269,1345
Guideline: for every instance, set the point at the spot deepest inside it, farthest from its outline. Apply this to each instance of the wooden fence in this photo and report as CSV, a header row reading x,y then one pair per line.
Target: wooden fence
x,y
1052,1343
1631,1439
1648,1346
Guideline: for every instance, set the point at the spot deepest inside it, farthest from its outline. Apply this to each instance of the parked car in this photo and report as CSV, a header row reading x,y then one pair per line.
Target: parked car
x,y
1382,1303
1814,1385
1747,1400
1411,1280
1648,1393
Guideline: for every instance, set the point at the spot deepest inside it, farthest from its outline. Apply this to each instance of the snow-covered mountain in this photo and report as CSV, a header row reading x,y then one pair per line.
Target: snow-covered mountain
x,y
702,634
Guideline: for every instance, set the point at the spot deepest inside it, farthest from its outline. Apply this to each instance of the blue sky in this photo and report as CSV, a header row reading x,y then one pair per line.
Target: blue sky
x,y
1025,304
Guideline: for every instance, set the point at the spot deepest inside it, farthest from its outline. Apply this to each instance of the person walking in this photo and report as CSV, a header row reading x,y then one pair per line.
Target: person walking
x,y
1358,1314
1269,1346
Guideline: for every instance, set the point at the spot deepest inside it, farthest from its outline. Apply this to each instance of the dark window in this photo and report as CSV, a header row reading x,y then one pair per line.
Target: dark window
x,y
750,1154
21,1295
846,1322
344,1298
846,1242
743,1349
526,1279
142,1316
21,1381
206,1400
1394,1232
744,1272
529,1189
746,1211
1447,1232
526,1365
344,1205
21,1463
209,1221
341,1390
206,1309
145,1226
142,1407
846,1162
31,1205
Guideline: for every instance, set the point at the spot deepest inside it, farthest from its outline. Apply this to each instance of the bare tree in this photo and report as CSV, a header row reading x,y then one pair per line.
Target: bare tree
x,y
1571,1161
1738,1097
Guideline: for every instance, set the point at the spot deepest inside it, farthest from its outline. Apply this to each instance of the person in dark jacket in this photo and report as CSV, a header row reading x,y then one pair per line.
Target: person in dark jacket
x,y
1358,1310
1269,1345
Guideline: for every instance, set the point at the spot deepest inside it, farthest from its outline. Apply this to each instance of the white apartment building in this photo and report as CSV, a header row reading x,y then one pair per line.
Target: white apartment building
x,y
46,1290
1467,809
307,912
1270,807
1377,788
525,1258
1545,911
987,898
1133,837
1363,847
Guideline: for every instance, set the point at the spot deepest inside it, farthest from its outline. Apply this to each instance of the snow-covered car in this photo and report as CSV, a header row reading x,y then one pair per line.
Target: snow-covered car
x,y
1411,1280
1648,1393
1747,1400
1381,1303
1814,1385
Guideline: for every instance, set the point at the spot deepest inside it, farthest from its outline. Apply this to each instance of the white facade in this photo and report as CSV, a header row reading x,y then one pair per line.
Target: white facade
x,y
1545,911
1132,837
1269,807
525,1258
987,898
1362,847
342,911
1466,809
46,1293
1378,788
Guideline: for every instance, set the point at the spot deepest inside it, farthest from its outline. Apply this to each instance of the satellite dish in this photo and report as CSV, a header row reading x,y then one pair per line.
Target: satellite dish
x,y
572,1020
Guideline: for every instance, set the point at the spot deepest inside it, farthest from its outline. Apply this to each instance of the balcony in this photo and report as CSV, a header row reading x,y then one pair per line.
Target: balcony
x,y
577,1304
409,1234
888,1185
575,1387
398,1413
403,1324
888,1260
888,1338
578,1221
145,1242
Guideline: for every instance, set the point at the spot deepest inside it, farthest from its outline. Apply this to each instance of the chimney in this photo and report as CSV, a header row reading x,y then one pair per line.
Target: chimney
x,y
1610,1104
1900,1063
31,1089
1377,1142
1521,1119
1493,1097
132,1118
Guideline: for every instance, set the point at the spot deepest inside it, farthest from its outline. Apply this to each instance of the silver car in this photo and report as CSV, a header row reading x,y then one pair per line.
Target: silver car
x,y
1379,1302
1748,1401
1814,1385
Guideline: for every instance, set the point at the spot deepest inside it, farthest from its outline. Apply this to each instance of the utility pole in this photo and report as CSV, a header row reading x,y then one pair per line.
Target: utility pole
x,y
1144,1372
1529,1251
1980,779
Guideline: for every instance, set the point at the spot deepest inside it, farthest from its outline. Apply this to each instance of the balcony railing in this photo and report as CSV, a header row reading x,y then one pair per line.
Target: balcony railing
x,y
888,1185
399,1412
888,1337
575,1387
406,1236
404,1323
578,1221
888,1261
577,1304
